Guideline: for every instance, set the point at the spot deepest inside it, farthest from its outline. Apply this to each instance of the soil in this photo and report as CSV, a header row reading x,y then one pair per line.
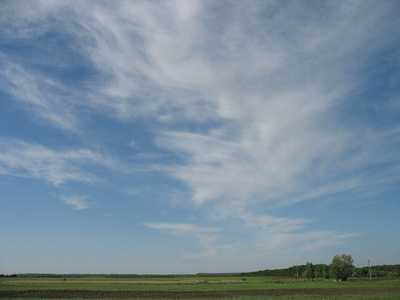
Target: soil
x,y
54,294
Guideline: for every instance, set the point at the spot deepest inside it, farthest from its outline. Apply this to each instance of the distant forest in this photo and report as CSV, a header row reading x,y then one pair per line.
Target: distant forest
x,y
320,271
323,271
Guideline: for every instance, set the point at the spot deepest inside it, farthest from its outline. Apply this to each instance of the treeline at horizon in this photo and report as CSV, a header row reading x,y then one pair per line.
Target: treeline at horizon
x,y
323,271
320,271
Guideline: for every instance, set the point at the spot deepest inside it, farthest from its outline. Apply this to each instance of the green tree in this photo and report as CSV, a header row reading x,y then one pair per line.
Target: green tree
x,y
342,267
310,272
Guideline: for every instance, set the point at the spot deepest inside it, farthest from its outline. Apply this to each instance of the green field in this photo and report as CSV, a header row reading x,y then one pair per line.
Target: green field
x,y
195,288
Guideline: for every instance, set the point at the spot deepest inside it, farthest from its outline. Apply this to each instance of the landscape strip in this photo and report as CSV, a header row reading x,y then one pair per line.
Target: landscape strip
x,y
92,294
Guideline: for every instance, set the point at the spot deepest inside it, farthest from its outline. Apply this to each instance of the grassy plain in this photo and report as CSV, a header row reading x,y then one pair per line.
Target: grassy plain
x,y
198,288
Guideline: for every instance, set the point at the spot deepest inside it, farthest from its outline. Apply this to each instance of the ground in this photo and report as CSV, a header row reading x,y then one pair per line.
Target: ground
x,y
54,294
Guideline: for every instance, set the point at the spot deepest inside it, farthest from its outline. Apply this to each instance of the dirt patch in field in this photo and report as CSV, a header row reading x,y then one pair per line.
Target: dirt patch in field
x,y
54,294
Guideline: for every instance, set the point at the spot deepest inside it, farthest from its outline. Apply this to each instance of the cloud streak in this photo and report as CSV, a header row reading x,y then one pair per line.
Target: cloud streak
x,y
39,96
32,160
77,202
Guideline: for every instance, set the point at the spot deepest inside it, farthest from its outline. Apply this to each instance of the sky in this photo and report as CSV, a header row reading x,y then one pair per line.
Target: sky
x,y
170,137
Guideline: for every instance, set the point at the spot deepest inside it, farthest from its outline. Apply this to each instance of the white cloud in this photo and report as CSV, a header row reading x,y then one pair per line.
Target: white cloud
x,y
272,240
38,95
265,101
265,235
156,61
78,202
269,233
18,158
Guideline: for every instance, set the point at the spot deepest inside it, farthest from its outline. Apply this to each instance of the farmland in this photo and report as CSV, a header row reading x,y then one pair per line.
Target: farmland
x,y
195,288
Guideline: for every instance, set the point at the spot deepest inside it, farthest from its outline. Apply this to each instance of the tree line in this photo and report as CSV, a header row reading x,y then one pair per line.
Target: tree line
x,y
341,268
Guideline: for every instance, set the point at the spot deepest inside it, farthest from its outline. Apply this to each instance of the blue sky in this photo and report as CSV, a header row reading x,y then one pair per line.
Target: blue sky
x,y
198,136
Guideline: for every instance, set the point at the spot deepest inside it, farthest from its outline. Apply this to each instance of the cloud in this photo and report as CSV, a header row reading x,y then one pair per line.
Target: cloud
x,y
264,234
156,61
272,240
40,96
121,42
31,160
269,233
78,202
257,112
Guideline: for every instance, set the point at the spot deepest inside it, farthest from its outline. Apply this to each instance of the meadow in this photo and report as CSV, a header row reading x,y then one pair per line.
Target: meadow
x,y
195,288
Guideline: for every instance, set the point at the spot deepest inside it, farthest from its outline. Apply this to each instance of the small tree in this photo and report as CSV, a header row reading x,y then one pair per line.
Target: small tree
x,y
310,272
341,267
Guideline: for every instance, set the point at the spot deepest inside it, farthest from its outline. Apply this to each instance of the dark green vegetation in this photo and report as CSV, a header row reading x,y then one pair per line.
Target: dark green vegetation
x,y
321,271
298,282
342,267
195,288
324,271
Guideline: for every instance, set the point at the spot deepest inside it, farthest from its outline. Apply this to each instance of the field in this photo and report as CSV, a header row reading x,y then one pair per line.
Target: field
x,y
195,288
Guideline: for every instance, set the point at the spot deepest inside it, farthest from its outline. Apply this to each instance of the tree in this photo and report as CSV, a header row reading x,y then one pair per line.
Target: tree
x,y
341,267
310,272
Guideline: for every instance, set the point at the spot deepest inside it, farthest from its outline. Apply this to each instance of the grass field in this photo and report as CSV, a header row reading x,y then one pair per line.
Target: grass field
x,y
194,288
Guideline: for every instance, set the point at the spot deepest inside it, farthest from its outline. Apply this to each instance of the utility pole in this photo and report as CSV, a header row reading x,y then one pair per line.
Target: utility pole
x,y
369,268
297,273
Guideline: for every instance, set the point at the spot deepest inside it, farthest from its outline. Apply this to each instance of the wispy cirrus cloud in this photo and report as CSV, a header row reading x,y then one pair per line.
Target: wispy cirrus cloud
x,y
31,160
266,114
273,94
44,99
278,129
265,234
271,233
77,202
